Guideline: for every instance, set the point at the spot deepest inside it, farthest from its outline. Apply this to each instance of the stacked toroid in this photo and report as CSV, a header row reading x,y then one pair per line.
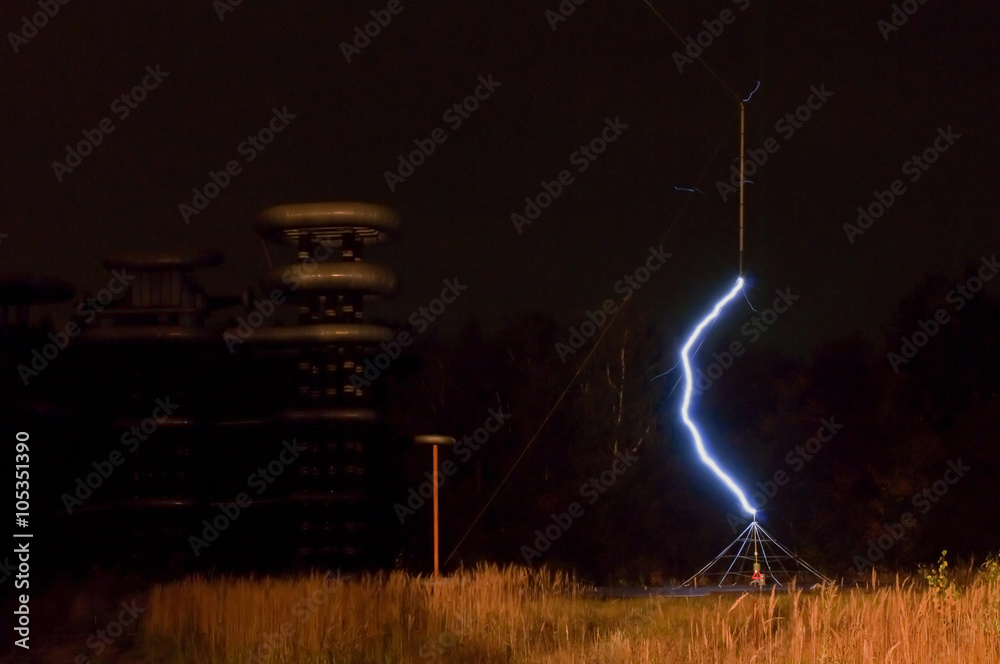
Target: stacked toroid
x,y
330,411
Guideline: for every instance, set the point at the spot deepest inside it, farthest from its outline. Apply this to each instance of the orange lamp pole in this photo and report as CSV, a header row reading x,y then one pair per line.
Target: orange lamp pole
x,y
435,442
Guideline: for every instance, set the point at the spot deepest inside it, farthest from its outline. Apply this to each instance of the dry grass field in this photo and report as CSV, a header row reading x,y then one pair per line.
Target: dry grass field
x,y
518,615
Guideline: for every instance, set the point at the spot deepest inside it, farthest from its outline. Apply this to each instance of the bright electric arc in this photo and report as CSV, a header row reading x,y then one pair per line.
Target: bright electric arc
x,y
690,387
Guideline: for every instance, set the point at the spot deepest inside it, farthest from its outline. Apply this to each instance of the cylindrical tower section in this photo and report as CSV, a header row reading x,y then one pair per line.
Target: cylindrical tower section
x,y
332,413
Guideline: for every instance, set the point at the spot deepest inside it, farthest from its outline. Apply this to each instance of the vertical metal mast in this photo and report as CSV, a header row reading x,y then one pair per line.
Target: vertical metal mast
x,y
742,178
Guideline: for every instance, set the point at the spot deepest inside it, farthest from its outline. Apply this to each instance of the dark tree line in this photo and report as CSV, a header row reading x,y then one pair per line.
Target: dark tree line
x,y
903,465
853,456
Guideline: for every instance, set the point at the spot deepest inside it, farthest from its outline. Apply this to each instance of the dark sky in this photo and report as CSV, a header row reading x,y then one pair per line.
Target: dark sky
x,y
607,60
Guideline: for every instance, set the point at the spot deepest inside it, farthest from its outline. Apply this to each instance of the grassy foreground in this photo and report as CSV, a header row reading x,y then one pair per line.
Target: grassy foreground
x,y
519,615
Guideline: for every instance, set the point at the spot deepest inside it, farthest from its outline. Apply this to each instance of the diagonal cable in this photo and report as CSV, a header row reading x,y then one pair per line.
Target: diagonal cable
x,y
699,59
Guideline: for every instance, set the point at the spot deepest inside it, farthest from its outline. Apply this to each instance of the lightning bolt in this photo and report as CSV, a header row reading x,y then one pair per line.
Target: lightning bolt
x,y
699,443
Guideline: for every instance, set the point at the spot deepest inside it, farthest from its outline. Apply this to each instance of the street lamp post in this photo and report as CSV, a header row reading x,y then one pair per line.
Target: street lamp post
x,y
435,441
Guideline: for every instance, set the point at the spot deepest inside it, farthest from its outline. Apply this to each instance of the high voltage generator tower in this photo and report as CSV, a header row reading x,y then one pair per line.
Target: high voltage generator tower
x,y
164,428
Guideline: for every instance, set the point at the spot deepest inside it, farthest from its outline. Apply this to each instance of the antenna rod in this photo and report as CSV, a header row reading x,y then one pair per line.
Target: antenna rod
x,y
742,179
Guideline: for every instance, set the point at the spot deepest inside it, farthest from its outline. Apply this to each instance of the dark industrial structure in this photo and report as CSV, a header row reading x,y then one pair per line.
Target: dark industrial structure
x,y
173,443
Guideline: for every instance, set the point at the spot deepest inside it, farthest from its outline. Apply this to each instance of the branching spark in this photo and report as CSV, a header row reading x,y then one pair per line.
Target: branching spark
x,y
753,91
690,387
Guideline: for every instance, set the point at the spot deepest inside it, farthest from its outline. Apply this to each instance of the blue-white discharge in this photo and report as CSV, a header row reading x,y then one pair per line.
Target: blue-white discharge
x,y
699,443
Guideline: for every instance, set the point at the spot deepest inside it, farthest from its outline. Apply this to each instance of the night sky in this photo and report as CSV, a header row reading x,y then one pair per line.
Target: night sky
x,y
891,93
